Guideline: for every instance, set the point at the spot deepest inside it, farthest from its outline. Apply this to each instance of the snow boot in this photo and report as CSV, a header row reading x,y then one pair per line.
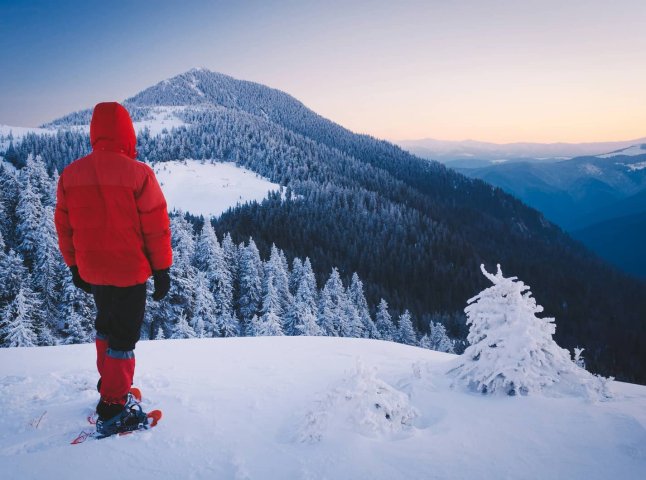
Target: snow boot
x,y
117,418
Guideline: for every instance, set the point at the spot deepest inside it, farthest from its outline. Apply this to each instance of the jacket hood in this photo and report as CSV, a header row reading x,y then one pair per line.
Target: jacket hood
x,y
111,129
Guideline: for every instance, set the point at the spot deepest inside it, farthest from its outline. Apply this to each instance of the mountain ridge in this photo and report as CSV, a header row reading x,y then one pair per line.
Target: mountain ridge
x,y
414,230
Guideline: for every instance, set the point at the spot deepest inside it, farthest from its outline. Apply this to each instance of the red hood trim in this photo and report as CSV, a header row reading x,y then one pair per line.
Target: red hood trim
x,y
111,129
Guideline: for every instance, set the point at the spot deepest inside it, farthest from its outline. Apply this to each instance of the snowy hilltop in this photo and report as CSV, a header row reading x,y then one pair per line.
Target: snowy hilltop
x,y
412,230
307,408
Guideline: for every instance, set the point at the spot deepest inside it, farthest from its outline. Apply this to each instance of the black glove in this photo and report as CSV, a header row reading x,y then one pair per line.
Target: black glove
x,y
78,281
162,283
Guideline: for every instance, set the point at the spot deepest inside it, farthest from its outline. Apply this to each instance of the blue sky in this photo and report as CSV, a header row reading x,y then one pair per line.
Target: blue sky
x,y
497,70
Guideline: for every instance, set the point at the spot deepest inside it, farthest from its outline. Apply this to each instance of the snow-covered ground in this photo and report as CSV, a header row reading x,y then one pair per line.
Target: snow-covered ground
x,y
306,408
161,118
209,189
630,151
18,132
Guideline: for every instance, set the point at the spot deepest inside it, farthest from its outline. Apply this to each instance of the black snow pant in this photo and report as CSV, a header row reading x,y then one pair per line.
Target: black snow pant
x,y
120,314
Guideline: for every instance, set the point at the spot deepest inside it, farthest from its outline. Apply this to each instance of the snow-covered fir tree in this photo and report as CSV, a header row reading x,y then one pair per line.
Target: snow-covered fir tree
x,y
358,299
29,213
12,272
384,323
49,270
18,318
203,319
182,329
295,275
437,339
302,314
405,332
270,323
511,349
332,306
578,359
250,274
277,266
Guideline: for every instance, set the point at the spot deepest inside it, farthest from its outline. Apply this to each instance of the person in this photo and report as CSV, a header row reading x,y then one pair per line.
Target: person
x,y
114,232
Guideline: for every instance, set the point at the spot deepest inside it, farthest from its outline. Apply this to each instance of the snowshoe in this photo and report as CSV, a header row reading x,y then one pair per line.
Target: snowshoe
x,y
131,418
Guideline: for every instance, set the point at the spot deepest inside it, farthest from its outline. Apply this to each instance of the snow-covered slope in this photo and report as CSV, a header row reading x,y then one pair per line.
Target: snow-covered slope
x,y
8,132
209,189
310,408
629,152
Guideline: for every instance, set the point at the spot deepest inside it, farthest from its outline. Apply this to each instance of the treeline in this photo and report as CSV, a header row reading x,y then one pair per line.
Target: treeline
x,y
414,231
219,289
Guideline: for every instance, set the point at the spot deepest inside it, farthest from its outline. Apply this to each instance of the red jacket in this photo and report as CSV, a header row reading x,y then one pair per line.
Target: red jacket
x,y
111,214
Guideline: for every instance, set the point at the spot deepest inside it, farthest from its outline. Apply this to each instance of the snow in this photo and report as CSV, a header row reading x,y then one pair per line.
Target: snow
x,y
209,189
591,169
635,166
630,151
306,408
160,118
18,133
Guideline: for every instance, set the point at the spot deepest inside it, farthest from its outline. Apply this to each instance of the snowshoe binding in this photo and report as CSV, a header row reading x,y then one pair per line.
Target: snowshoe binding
x,y
129,419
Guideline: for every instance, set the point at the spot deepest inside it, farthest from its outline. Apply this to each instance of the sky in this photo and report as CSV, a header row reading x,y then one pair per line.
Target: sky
x,y
494,70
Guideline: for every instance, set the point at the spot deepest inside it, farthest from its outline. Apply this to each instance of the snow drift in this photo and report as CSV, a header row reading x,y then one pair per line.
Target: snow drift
x,y
310,408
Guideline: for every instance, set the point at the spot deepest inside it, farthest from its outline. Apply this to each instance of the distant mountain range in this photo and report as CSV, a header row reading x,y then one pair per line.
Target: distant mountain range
x,y
474,154
600,200
414,230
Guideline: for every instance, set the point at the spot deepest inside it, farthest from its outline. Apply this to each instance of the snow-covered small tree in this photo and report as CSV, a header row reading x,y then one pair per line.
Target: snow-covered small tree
x,y
18,320
254,327
578,359
270,323
511,349
358,299
439,339
250,275
302,315
384,323
29,213
332,318
182,329
160,334
295,275
406,332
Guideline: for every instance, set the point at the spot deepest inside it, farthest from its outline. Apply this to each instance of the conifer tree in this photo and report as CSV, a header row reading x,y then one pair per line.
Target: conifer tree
x,y
182,329
310,277
295,275
332,307
439,339
18,320
406,332
250,283
205,248
254,327
511,349
276,266
302,316
182,294
203,321
270,323
384,323
358,299
160,334
30,215
49,270
231,257
12,272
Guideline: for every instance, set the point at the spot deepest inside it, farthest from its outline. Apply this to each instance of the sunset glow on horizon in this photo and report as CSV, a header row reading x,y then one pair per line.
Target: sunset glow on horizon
x,y
499,71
